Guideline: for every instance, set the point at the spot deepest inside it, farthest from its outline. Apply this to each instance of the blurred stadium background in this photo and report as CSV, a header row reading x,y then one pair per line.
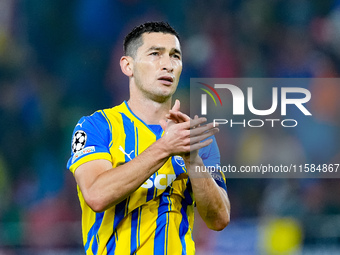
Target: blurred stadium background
x,y
59,61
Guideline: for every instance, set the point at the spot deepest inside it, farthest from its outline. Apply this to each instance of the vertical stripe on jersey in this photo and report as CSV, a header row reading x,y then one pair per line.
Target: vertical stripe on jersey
x,y
184,226
137,141
110,126
130,138
134,224
120,211
187,193
161,233
139,221
135,229
92,234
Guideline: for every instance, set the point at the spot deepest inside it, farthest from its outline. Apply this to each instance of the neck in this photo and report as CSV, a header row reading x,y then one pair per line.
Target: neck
x,y
151,112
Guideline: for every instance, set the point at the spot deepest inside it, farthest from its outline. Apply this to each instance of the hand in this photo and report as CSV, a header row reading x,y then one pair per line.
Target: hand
x,y
176,115
187,134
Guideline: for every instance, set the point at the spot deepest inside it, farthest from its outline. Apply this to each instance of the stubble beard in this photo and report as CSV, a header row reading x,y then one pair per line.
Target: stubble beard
x,y
155,94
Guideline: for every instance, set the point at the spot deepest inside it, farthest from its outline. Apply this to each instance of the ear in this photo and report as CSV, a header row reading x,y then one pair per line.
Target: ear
x,y
126,64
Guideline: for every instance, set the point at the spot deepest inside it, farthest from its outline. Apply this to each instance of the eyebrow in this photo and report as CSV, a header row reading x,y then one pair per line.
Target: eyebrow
x,y
163,48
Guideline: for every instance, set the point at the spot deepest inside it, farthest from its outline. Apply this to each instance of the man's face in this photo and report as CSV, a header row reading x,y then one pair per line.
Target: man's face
x,y
158,66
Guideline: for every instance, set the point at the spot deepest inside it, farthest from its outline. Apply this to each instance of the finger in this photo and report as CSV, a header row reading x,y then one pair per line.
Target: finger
x,y
177,117
173,116
177,105
180,116
201,129
196,117
198,146
196,122
192,123
202,137
183,116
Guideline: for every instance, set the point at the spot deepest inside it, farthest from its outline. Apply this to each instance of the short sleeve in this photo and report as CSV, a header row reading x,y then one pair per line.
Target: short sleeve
x,y
211,158
90,140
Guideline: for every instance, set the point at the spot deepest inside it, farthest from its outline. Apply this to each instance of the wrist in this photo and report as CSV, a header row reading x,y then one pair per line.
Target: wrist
x,y
162,149
192,159
196,168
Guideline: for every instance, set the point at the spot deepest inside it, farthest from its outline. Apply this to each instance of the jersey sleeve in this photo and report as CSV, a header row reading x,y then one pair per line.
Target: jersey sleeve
x,y
90,141
211,158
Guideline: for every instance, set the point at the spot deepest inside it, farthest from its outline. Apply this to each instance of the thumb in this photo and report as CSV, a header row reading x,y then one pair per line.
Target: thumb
x,y
163,124
176,106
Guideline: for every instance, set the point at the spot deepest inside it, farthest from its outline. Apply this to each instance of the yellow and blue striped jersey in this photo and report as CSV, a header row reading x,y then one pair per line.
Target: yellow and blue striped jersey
x,y
157,218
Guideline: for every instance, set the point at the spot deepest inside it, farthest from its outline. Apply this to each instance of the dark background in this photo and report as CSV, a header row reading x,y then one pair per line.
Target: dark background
x,y
59,61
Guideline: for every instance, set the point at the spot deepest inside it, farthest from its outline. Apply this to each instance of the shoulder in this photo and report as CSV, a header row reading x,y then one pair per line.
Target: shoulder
x,y
111,115
94,122
101,118
96,125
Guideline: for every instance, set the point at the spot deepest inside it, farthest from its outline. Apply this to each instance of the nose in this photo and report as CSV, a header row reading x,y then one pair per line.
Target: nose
x,y
166,64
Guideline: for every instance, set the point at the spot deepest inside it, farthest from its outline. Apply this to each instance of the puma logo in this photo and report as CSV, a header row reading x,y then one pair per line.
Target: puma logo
x,y
80,124
128,155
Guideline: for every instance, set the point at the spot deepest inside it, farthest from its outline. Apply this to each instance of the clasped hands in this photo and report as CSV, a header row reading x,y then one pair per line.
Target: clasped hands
x,y
185,136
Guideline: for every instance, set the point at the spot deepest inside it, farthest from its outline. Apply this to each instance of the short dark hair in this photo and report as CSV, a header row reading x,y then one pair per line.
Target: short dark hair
x,y
134,39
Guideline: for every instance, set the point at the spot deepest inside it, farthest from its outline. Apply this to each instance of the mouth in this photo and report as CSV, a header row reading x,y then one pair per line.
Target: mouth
x,y
167,80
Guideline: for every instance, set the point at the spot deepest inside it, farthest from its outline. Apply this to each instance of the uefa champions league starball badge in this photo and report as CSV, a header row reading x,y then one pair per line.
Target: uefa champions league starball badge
x,y
78,141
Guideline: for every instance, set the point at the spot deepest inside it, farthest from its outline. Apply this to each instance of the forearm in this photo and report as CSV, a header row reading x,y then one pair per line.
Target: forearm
x,y
211,200
113,185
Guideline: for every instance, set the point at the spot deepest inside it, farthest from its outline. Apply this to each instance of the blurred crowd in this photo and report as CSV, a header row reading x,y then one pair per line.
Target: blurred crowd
x,y
59,61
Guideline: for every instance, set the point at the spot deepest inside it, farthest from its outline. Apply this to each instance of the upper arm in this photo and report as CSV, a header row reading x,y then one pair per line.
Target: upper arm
x,y
90,153
90,141
87,173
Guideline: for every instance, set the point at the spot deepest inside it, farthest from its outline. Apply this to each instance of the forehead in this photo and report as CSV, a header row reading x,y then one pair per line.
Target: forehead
x,y
167,41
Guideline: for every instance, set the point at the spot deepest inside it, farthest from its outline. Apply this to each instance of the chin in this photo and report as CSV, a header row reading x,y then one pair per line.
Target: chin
x,y
161,98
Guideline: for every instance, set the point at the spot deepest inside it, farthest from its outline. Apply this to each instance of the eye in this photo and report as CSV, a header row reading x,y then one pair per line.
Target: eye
x,y
155,53
176,56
